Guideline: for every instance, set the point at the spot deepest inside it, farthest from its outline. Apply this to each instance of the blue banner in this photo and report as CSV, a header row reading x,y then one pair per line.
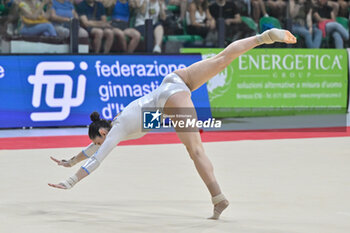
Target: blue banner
x,y
62,90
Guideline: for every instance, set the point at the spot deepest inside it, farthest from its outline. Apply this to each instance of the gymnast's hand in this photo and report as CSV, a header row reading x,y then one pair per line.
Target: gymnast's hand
x,y
71,181
63,162
66,184
58,186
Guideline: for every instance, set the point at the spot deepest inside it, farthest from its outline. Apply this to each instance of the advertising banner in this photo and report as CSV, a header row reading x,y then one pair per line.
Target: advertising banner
x,y
278,82
62,90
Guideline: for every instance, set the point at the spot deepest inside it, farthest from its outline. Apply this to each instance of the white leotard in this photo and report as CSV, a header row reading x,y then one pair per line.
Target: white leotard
x,y
128,125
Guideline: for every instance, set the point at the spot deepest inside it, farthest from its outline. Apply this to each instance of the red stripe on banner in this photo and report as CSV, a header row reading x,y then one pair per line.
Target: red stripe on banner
x,y
169,138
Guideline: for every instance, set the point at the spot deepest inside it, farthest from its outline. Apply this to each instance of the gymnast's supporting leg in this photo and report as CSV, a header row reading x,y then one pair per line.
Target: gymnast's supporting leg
x,y
199,73
176,104
195,76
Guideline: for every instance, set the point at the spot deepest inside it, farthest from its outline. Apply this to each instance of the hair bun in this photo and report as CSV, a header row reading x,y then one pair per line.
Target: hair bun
x,y
95,116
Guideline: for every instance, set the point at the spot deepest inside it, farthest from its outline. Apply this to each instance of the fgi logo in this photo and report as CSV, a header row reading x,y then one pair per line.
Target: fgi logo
x,y
51,80
151,120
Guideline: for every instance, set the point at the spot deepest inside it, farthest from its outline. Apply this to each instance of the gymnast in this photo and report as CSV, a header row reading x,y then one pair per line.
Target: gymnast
x,y
173,93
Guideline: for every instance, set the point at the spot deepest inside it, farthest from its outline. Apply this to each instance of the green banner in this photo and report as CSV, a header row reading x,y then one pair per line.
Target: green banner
x,y
279,82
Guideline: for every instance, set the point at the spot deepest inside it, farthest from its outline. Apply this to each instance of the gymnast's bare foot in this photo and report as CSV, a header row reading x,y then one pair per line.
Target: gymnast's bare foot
x,y
276,35
289,38
220,204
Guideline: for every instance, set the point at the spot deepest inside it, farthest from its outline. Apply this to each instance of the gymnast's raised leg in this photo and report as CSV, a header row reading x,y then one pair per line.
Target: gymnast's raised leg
x,y
200,72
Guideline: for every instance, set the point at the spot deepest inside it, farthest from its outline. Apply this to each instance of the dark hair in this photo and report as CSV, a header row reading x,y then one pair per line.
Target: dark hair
x,y
204,4
96,124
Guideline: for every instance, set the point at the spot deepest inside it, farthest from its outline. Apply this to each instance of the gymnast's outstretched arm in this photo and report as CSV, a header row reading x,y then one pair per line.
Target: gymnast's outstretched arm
x,y
114,136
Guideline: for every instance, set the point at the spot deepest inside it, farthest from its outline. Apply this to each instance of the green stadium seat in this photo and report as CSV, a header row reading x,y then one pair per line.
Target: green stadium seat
x,y
184,38
343,21
173,8
268,22
3,9
250,23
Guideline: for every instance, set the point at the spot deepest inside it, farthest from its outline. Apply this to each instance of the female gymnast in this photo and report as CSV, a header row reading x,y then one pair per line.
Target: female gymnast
x,y
173,93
